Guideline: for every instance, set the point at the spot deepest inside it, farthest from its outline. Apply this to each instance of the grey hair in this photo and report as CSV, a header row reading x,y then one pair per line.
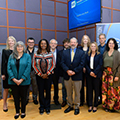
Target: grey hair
x,y
15,53
54,40
74,39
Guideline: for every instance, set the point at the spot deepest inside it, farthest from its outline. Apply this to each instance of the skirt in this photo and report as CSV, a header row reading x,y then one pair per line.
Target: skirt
x,y
110,94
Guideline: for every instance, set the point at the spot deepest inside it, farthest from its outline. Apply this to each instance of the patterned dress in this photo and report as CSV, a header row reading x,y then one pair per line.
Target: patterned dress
x,y
110,94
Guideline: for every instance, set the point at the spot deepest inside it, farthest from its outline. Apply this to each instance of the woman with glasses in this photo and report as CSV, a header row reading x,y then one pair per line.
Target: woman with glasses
x,y
19,67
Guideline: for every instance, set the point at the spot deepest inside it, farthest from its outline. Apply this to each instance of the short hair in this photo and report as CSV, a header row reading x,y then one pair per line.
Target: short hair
x,y
39,47
7,45
89,52
102,34
15,52
66,40
30,38
115,43
54,40
88,44
74,39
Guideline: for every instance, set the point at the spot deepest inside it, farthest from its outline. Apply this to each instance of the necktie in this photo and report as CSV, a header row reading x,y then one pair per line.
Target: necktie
x,y
72,55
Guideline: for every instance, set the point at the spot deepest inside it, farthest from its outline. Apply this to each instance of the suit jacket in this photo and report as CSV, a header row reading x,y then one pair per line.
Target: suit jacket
x,y
97,65
81,48
5,57
76,65
60,67
24,69
116,66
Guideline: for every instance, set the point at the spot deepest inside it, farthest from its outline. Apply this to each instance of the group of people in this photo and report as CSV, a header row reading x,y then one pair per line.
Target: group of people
x,y
99,66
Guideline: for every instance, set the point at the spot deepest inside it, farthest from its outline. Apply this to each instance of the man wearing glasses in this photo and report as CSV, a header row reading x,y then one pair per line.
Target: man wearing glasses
x,y
31,49
55,76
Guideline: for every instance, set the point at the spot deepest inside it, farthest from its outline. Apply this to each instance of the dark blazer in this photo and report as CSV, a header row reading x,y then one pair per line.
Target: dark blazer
x,y
5,57
97,65
60,67
81,48
56,69
76,65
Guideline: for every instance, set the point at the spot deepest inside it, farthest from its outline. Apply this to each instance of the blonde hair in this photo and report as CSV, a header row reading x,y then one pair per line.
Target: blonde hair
x,y
7,45
82,43
90,51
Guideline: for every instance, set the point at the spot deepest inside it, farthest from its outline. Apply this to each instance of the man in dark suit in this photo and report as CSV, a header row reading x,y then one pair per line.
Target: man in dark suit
x,y
55,76
101,49
72,64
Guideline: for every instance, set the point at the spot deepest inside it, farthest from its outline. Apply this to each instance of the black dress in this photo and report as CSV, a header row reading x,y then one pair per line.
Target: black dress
x,y
5,57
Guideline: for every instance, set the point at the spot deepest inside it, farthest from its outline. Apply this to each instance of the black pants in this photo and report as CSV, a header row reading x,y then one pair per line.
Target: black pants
x,y
55,79
100,91
20,94
44,84
92,84
82,90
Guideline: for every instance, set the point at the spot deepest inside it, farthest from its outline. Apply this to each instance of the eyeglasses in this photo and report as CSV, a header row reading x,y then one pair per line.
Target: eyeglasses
x,y
53,43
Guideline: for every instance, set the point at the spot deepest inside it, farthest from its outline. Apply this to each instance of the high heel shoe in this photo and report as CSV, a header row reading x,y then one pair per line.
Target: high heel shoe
x,y
89,110
5,110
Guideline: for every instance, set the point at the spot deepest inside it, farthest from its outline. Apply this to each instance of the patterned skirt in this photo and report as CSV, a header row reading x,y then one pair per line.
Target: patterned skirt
x,y
110,94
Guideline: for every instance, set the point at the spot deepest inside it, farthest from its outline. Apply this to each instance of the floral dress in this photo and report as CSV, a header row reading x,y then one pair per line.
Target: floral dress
x,y
110,94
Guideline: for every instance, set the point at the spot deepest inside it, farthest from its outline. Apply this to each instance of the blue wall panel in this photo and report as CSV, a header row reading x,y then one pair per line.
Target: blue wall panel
x,y
3,19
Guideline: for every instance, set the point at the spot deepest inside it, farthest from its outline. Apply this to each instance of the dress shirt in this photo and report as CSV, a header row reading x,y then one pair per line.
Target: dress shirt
x,y
55,54
71,52
102,49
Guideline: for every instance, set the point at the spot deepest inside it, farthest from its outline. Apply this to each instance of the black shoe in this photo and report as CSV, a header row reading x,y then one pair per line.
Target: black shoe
x,y
64,103
35,102
76,111
5,110
16,116
89,110
112,111
95,110
48,111
27,101
22,116
68,109
56,102
41,111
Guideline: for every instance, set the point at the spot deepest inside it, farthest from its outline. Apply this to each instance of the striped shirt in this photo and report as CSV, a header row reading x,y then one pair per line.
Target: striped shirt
x,y
43,63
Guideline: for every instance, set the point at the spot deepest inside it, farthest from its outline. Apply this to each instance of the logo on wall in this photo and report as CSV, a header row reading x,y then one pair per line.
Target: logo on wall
x,y
73,4
111,30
